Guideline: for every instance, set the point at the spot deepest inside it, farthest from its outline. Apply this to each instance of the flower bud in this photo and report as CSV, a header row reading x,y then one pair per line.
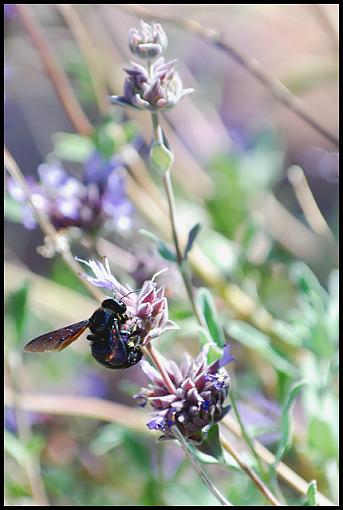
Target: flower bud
x,y
160,91
148,42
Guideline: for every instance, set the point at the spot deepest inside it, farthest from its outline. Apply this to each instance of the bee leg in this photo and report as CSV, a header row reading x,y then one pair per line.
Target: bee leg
x,y
91,338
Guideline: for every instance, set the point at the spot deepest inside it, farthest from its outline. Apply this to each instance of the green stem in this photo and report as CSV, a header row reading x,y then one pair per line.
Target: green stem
x,y
181,262
184,271
223,501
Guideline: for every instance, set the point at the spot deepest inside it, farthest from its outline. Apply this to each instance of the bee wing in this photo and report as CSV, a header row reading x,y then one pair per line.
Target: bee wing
x,y
57,340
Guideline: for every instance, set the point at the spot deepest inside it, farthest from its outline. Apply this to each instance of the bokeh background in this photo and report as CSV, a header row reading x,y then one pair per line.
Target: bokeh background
x,y
268,260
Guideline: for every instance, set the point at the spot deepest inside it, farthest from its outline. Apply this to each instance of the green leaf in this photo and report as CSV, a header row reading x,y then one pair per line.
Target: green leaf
x,y
166,252
16,448
105,138
207,306
36,444
162,248
286,422
191,238
138,449
214,352
109,437
150,235
18,308
306,280
130,129
72,147
161,158
312,493
254,339
322,438
211,445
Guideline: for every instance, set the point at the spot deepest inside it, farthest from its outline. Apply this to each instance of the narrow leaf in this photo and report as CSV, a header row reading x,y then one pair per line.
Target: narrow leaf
x,y
166,252
191,238
18,306
287,422
162,248
211,445
207,306
214,351
149,235
312,493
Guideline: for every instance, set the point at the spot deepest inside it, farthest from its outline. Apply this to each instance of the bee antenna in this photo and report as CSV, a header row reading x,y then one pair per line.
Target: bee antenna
x,y
131,292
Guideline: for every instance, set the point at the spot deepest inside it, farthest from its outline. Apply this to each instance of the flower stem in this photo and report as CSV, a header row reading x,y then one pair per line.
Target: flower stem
x,y
159,365
55,72
189,288
222,500
181,262
245,434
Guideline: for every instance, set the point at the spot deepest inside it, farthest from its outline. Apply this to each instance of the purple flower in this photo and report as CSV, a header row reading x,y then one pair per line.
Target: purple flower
x,y
87,204
148,42
198,400
147,310
160,89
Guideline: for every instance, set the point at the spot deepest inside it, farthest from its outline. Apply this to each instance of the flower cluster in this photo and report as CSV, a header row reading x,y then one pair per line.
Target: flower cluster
x,y
68,202
157,88
198,400
147,310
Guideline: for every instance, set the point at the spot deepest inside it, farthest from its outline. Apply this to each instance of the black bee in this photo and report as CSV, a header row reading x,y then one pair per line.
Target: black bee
x,y
111,346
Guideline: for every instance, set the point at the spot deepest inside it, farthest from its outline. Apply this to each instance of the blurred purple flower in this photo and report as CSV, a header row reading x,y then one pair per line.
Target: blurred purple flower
x,y
198,400
160,89
68,202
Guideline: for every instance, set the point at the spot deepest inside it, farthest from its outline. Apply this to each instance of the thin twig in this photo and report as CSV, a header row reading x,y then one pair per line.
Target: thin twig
x,y
55,72
87,49
250,64
88,407
257,481
308,203
244,432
